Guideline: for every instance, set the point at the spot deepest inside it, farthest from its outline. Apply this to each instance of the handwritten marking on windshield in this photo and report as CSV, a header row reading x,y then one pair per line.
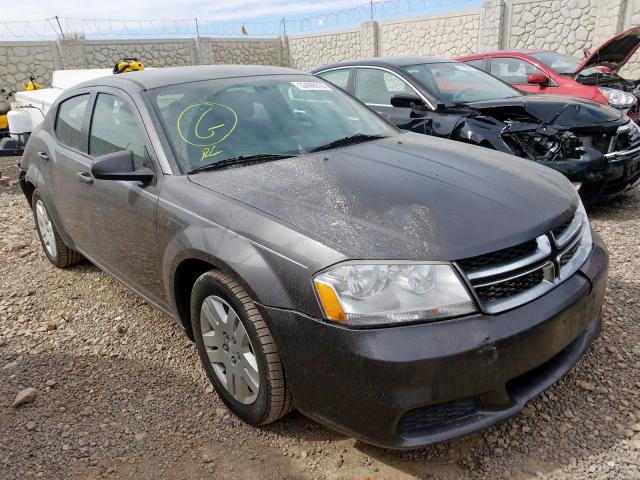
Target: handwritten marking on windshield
x,y
206,124
209,152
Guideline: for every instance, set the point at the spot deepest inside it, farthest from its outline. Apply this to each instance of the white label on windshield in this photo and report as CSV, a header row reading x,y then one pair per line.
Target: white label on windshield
x,y
462,66
310,86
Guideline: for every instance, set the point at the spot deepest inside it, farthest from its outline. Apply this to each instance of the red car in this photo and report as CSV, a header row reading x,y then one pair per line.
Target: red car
x,y
595,77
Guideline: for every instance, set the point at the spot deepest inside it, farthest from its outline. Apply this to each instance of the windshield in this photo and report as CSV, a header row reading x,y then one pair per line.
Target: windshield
x,y
459,83
567,65
213,121
558,62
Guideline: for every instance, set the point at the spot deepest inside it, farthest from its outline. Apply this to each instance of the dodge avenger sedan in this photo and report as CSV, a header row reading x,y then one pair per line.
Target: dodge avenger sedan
x,y
596,146
400,288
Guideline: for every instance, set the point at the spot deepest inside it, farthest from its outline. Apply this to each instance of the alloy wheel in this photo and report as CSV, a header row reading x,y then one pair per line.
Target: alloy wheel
x,y
229,349
46,229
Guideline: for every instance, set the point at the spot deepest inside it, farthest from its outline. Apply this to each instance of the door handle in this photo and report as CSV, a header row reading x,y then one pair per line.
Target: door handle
x,y
43,156
85,177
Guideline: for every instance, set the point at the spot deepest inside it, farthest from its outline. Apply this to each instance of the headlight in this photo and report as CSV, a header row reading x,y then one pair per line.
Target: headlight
x,y
376,293
586,243
618,98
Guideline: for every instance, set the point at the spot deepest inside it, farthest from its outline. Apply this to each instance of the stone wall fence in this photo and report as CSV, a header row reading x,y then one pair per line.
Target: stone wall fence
x,y
567,26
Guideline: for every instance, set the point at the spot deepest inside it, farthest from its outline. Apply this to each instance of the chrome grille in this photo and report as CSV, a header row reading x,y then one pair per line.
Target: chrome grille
x,y
501,256
513,276
509,288
566,257
627,138
625,142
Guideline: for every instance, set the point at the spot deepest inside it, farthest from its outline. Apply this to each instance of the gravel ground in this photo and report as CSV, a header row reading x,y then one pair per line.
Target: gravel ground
x,y
120,393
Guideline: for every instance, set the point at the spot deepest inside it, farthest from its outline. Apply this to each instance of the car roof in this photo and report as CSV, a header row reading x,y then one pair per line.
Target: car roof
x,y
505,52
162,77
387,62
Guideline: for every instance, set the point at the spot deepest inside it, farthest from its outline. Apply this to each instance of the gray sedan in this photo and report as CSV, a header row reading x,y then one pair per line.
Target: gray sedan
x,y
400,288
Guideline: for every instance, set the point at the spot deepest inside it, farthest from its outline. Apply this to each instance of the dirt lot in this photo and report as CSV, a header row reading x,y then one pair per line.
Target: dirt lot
x,y
120,393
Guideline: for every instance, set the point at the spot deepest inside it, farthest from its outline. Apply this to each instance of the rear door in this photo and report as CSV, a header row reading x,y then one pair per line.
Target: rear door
x,y
340,77
66,169
375,87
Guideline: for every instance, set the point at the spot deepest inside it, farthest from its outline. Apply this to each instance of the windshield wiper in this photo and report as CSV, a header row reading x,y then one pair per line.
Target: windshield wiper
x,y
241,160
350,140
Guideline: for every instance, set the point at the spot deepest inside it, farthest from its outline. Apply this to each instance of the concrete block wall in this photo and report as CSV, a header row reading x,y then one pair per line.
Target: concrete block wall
x,y
19,59
251,51
439,35
169,53
565,26
309,51
568,26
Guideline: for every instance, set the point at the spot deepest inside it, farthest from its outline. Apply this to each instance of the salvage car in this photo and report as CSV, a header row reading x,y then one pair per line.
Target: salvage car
x,y
595,146
595,77
399,288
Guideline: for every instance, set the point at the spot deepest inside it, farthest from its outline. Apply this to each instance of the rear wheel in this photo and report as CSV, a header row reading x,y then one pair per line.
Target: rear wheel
x,y
237,350
54,247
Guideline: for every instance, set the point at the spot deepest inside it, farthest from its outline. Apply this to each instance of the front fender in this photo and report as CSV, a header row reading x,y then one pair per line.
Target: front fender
x,y
253,267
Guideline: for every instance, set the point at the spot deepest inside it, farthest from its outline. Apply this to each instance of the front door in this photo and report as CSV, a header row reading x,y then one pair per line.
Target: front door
x,y
515,72
122,214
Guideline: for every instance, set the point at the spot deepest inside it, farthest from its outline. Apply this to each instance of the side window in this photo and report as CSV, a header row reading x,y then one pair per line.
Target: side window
x,y
114,128
377,86
71,114
478,63
512,70
340,78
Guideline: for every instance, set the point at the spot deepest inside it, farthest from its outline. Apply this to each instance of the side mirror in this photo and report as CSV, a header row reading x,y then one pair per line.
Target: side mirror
x,y
120,166
537,79
405,100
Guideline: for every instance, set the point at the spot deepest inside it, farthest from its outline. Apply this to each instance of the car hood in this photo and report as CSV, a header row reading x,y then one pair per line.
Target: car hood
x,y
615,52
550,109
405,197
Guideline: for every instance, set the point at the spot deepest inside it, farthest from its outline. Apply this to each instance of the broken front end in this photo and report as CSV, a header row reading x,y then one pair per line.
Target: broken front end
x,y
601,160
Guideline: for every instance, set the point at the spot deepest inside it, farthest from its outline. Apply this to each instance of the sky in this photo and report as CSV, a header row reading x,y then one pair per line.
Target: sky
x,y
250,12
169,9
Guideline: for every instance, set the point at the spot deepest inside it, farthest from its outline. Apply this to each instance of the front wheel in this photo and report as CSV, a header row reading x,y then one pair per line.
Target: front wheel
x,y
237,350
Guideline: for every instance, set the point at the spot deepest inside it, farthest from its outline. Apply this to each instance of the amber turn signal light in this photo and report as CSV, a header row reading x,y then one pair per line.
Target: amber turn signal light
x,y
330,303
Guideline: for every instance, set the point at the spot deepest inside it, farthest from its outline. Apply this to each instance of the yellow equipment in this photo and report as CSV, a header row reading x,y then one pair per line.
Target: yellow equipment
x,y
32,85
4,122
128,65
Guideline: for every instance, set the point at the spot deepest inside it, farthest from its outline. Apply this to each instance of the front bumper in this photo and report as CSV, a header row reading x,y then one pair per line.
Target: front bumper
x,y
623,174
413,385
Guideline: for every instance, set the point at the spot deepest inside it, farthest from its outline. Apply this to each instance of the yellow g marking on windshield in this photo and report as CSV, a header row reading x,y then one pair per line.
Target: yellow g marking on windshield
x,y
222,122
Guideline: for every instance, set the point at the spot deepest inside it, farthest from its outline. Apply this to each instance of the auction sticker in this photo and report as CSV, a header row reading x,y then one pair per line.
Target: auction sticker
x,y
310,86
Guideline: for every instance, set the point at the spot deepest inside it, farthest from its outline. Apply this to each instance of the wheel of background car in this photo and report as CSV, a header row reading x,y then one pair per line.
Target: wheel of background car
x,y
237,350
54,247
462,93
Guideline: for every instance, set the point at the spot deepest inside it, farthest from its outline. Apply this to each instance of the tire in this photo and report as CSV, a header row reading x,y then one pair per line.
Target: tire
x,y
54,247
216,294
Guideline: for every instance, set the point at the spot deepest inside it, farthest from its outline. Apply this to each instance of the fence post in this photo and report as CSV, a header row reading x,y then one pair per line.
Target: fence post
x,y
493,26
284,59
203,51
369,32
72,54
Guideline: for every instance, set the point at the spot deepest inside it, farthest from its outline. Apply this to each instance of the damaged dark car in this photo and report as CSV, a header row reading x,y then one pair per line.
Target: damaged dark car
x,y
399,288
597,147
